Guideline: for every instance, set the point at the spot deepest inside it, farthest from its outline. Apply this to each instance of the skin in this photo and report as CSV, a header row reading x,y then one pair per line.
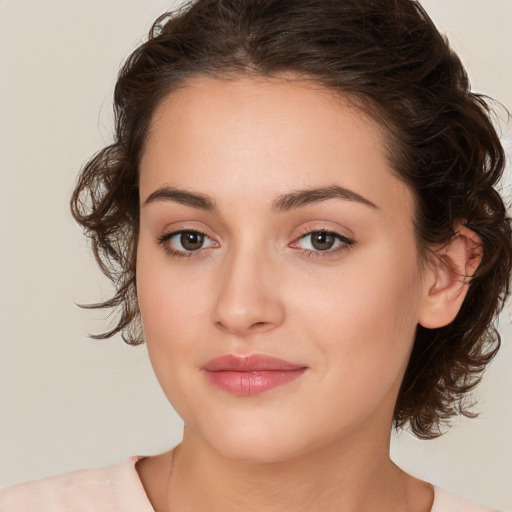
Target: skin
x,y
349,314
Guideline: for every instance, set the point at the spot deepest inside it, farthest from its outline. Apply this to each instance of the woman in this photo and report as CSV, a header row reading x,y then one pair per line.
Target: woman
x,y
300,217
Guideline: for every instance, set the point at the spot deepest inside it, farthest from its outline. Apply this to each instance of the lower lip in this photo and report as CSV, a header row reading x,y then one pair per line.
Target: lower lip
x,y
252,383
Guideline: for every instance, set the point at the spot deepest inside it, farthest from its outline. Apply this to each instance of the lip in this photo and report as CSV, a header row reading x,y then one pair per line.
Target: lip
x,y
250,375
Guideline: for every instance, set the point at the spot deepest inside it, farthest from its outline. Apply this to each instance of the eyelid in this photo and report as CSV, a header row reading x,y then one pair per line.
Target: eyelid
x,y
164,241
345,242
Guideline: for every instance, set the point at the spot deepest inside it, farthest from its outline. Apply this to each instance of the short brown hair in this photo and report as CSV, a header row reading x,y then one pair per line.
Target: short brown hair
x,y
390,59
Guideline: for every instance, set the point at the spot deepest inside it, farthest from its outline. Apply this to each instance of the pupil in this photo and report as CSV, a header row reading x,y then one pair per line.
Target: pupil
x,y
191,241
322,241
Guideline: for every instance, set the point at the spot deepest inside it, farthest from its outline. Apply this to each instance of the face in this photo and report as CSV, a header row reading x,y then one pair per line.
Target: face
x,y
272,225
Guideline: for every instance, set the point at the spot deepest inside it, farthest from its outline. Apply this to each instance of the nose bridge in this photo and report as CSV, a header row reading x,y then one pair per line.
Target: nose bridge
x,y
247,298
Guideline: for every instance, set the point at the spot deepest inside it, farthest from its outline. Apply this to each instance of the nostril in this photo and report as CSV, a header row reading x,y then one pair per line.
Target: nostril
x,y
258,325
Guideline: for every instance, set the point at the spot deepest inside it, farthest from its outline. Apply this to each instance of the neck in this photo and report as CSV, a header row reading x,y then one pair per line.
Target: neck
x,y
356,476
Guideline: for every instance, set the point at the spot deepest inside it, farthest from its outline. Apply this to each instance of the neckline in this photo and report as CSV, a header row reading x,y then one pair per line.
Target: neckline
x,y
124,476
142,495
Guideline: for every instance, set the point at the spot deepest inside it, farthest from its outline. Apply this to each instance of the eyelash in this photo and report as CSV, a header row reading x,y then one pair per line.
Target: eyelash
x,y
346,243
164,239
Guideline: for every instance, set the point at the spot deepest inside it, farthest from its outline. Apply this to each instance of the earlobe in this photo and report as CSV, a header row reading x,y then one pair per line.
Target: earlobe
x,y
449,275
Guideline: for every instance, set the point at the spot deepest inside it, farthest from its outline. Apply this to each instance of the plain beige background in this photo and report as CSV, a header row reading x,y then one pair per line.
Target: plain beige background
x,y
67,402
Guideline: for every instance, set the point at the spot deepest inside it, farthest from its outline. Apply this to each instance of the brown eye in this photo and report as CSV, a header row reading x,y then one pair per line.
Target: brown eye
x,y
322,240
191,240
186,242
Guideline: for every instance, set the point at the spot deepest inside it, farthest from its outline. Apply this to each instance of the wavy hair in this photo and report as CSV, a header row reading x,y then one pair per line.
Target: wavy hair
x,y
390,60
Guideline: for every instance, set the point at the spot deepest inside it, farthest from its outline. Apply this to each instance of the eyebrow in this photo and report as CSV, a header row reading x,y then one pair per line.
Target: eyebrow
x,y
300,198
193,199
283,203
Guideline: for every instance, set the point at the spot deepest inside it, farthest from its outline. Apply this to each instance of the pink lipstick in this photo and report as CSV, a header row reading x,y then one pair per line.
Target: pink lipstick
x,y
250,375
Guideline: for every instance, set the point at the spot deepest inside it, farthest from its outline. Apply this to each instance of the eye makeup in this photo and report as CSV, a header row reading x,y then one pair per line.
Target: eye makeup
x,y
314,243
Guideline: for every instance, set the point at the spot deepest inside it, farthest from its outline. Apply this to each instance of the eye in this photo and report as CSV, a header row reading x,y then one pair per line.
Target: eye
x,y
185,242
322,241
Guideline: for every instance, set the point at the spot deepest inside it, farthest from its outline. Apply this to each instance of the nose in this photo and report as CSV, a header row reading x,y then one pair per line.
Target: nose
x,y
248,298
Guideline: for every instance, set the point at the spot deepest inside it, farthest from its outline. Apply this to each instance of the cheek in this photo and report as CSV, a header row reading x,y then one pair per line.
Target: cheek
x,y
168,295
171,308
363,320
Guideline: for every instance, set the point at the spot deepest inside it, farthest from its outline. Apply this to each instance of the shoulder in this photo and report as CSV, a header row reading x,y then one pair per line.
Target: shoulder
x,y
445,501
85,490
58,493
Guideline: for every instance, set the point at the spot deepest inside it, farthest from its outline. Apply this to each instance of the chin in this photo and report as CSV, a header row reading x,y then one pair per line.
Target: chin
x,y
255,443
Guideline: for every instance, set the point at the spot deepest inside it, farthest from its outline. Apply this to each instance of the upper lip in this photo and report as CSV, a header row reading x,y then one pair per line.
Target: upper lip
x,y
251,363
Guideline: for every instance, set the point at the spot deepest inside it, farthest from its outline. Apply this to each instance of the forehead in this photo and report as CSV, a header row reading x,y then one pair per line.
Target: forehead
x,y
258,102
247,134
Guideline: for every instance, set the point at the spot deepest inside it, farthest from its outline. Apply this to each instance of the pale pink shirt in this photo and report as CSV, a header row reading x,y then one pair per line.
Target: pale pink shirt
x,y
119,489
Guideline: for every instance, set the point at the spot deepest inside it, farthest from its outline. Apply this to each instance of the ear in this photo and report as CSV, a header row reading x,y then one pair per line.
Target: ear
x,y
448,277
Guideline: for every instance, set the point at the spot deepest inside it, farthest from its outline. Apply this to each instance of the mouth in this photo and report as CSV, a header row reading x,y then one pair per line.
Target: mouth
x,y
250,375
